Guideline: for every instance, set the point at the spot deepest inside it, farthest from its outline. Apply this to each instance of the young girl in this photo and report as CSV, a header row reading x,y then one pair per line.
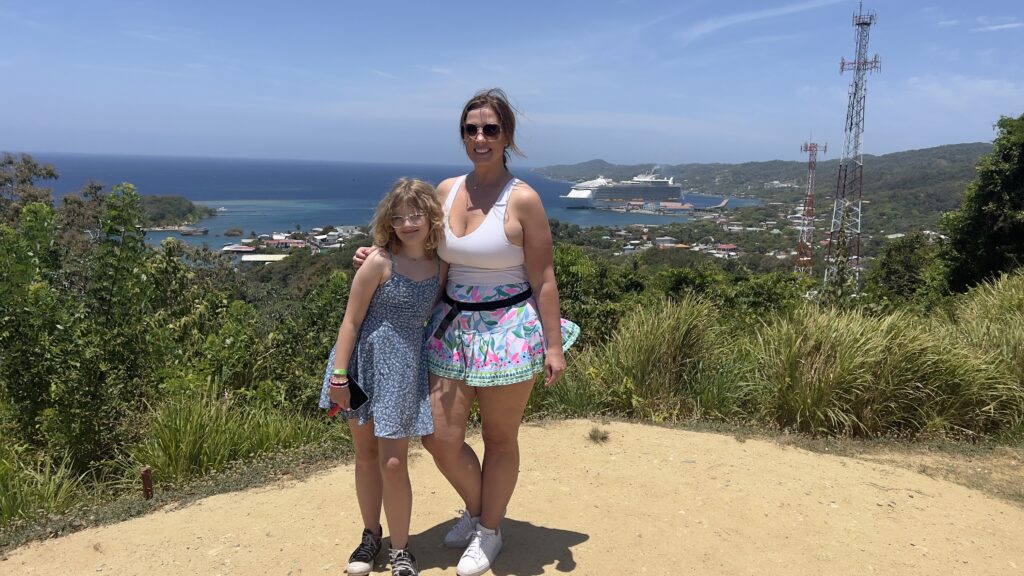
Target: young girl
x,y
379,346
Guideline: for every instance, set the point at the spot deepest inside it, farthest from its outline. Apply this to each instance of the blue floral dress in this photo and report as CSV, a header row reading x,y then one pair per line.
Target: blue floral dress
x,y
388,360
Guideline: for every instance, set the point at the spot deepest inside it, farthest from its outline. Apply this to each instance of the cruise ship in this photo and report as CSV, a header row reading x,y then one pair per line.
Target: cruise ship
x,y
647,188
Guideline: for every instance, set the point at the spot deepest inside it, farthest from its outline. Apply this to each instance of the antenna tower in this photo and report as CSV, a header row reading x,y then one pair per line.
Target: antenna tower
x,y
843,263
805,247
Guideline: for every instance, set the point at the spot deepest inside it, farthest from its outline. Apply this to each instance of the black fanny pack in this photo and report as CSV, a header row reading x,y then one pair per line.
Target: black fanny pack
x,y
458,307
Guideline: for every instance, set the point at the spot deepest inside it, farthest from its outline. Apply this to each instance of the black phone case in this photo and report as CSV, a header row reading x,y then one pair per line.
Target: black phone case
x,y
358,395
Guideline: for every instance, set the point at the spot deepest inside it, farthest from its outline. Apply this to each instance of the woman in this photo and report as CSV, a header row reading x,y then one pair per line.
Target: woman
x,y
497,327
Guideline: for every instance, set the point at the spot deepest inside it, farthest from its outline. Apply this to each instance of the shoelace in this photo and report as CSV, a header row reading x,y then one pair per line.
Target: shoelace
x,y
368,548
464,523
402,563
475,549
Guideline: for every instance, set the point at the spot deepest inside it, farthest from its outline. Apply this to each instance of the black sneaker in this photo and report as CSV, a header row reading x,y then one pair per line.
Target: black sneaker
x,y
403,563
361,562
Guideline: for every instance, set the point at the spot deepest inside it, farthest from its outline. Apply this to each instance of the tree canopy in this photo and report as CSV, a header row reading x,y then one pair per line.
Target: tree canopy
x,y
987,231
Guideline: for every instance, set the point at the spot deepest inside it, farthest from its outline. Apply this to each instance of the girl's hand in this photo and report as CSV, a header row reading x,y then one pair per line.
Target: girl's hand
x,y
362,253
554,366
340,396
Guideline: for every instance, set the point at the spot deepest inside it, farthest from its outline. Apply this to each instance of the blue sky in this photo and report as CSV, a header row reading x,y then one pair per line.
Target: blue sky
x,y
630,81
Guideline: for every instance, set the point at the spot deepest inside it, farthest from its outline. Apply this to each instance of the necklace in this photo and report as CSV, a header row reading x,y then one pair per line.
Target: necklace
x,y
470,203
475,185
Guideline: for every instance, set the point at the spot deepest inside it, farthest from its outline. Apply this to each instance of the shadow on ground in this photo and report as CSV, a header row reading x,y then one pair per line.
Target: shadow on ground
x,y
527,549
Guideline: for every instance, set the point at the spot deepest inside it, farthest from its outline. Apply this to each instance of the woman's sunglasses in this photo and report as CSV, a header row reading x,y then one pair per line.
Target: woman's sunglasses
x,y
489,130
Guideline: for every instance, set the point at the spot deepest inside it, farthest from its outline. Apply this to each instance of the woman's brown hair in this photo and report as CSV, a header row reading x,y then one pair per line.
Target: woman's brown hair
x,y
496,100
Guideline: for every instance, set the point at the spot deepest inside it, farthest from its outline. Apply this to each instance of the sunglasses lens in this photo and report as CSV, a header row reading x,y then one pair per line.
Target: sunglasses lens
x,y
489,130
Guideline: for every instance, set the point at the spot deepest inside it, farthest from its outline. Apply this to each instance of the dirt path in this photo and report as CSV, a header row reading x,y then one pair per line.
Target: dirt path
x,y
649,501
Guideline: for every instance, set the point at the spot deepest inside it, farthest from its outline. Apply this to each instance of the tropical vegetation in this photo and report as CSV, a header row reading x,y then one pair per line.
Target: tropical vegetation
x,y
116,355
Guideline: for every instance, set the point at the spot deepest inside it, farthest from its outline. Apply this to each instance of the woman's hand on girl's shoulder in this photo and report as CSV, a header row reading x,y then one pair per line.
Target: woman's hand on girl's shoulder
x,y
373,272
378,261
364,252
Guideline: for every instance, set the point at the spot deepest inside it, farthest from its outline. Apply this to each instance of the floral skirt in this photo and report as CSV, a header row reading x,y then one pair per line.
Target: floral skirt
x,y
494,347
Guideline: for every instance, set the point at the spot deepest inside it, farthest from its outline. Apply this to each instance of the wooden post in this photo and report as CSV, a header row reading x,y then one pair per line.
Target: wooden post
x,y
147,482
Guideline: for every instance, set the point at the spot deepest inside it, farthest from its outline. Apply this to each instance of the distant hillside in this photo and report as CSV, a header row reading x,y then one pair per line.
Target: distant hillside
x,y
173,210
903,190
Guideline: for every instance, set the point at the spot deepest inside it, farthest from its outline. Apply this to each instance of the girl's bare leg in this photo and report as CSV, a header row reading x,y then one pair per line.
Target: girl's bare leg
x,y
369,487
394,470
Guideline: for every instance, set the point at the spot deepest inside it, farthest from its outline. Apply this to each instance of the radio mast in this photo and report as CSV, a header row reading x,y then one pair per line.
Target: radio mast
x,y
842,267
805,246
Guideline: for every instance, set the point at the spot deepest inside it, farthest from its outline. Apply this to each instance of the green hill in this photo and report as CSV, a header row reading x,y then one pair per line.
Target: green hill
x,y
902,190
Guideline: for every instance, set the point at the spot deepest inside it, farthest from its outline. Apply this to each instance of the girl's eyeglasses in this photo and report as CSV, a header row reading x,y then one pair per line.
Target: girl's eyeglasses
x,y
415,219
489,130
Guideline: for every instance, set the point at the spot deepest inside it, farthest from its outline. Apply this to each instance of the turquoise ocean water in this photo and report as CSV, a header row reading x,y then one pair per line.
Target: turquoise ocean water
x,y
268,196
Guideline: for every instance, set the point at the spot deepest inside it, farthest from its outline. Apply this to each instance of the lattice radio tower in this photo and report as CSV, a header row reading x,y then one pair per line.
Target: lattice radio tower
x,y
843,263
805,247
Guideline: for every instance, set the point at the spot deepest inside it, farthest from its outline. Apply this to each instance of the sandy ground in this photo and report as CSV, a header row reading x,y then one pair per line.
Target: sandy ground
x,y
648,501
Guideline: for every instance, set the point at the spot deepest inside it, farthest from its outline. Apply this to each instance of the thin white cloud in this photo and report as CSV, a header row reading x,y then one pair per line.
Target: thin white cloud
x,y
713,25
947,23
634,122
383,74
130,71
997,23
998,27
437,70
959,93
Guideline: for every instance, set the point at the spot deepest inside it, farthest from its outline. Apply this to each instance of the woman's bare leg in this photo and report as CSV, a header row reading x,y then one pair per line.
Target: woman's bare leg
x,y
450,403
394,469
369,486
501,412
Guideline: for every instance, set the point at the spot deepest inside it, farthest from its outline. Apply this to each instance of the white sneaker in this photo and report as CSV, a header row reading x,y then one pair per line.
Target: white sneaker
x,y
460,534
481,552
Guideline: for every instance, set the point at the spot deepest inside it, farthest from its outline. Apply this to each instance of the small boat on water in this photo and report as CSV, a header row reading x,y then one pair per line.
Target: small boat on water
x,y
222,209
194,231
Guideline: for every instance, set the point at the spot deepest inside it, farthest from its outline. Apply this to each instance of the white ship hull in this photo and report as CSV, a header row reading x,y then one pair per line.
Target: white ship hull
x,y
606,193
579,198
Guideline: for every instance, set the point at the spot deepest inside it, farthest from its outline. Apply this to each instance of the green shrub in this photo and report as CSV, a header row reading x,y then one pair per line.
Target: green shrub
x,y
666,361
991,320
831,372
32,486
193,435
574,396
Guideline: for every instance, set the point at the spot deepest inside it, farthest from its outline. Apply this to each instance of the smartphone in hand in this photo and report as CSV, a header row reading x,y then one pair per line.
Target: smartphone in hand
x,y
358,398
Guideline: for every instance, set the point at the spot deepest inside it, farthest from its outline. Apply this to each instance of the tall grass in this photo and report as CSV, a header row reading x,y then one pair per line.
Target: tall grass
x,y
831,372
990,319
666,361
31,486
574,396
191,436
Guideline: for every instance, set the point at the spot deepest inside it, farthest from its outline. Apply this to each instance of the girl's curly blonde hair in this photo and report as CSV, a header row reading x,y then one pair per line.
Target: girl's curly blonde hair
x,y
419,196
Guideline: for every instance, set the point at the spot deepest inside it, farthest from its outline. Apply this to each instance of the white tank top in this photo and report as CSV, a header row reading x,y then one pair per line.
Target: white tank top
x,y
484,257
